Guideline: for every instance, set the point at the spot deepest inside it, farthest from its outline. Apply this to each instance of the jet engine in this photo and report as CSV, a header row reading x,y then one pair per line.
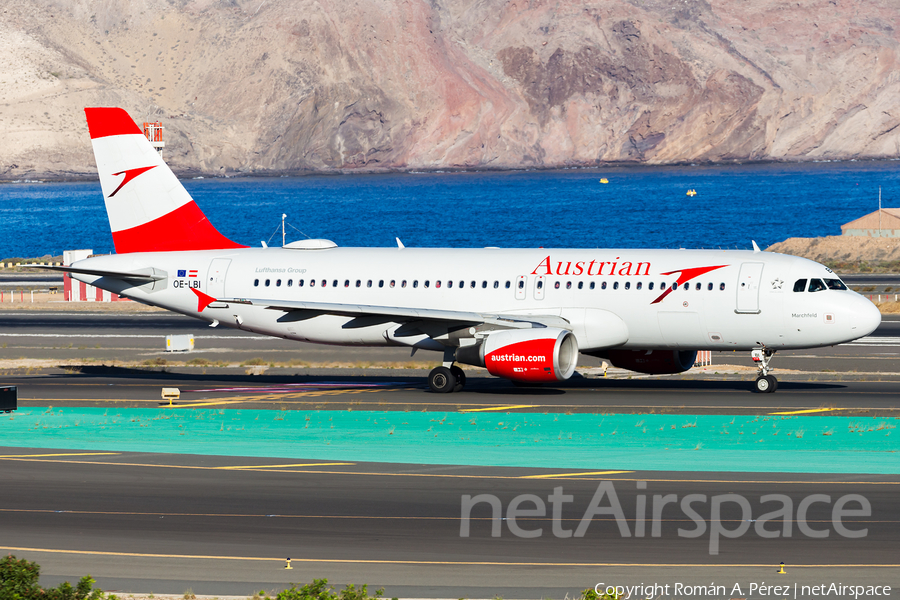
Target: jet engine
x,y
652,362
529,355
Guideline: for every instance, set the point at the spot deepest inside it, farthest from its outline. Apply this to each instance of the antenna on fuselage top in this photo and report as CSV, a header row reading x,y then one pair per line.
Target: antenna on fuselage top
x,y
755,247
399,243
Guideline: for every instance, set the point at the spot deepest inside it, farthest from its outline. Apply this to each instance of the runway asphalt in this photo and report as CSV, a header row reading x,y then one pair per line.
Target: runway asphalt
x,y
225,525
165,523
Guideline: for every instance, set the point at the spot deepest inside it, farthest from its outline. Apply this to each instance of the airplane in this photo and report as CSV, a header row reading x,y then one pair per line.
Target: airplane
x,y
522,314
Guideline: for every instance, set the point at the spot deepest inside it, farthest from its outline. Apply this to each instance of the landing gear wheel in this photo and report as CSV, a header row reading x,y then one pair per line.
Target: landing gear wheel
x,y
766,385
460,376
441,380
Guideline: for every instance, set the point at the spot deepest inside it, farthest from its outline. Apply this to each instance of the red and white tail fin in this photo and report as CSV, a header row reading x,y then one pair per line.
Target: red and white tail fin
x,y
148,208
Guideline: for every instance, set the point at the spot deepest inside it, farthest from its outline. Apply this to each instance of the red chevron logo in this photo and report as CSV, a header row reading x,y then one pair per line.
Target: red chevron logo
x,y
686,275
129,175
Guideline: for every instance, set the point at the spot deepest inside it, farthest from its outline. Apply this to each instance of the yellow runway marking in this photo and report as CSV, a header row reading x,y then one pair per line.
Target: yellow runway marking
x,y
420,562
555,475
376,517
449,476
245,467
811,410
468,410
217,403
72,454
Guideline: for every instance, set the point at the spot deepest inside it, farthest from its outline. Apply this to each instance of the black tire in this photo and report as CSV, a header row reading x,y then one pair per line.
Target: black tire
x,y
763,385
441,380
460,378
773,383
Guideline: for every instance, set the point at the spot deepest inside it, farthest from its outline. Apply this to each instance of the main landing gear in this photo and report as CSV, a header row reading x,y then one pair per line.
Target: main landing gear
x,y
448,377
444,380
765,383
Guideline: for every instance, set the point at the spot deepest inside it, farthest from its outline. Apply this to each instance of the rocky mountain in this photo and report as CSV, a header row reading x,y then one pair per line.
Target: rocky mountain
x,y
260,86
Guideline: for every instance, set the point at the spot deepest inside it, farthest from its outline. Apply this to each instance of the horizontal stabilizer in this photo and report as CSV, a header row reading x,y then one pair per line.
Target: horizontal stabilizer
x,y
148,274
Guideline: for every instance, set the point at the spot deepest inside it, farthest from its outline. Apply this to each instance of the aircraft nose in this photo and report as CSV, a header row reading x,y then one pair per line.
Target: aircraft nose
x,y
866,317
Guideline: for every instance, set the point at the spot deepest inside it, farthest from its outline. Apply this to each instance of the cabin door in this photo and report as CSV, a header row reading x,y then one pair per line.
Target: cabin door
x,y
748,288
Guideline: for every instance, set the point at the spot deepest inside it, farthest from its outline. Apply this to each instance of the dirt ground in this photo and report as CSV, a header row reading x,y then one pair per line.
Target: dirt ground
x,y
841,249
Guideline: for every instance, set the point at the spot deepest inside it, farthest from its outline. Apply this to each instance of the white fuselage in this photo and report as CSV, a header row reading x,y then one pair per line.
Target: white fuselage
x,y
734,300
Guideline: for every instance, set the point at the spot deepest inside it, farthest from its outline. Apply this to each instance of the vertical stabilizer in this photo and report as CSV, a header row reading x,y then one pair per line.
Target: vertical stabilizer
x,y
148,208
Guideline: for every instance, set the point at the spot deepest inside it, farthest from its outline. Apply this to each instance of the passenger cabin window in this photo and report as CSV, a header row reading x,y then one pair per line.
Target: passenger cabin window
x,y
616,285
709,287
381,283
556,285
267,283
403,284
699,286
687,286
369,283
592,285
277,283
816,285
415,283
639,285
450,284
290,282
521,284
312,282
722,287
568,285
580,285
358,283
484,285
627,285
346,283
256,283
324,283
393,282
650,286
800,285
472,285
333,283
835,284
427,283
603,286
507,285
540,285
462,284
300,283
437,283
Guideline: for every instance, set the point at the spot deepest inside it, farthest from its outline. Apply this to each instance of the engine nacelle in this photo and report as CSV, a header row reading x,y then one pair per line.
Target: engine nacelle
x,y
530,355
653,362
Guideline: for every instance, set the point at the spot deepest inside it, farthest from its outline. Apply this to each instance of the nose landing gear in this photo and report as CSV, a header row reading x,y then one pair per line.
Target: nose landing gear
x,y
765,383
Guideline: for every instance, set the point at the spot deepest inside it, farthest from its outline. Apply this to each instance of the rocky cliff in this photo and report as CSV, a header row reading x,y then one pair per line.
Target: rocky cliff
x,y
336,85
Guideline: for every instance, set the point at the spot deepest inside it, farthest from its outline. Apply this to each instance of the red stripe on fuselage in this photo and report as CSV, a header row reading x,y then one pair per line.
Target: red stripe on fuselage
x,y
103,122
185,228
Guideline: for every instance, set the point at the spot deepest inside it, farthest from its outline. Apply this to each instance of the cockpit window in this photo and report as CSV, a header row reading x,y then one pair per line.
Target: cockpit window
x,y
835,284
800,285
816,285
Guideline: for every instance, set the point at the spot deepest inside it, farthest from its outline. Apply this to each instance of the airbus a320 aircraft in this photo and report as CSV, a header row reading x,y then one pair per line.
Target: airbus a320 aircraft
x,y
522,314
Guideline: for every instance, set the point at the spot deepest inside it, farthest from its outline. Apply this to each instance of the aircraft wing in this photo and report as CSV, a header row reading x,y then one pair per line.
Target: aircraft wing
x,y
404,314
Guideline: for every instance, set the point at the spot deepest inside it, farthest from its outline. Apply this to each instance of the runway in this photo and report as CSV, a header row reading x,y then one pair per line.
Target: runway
x,y
225,526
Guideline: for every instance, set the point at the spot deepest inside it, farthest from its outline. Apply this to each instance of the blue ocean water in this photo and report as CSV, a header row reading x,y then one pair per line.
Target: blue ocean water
x,y
640,207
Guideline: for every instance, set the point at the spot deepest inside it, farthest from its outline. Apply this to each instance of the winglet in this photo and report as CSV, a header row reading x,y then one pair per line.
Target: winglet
x,y
203,300
755,247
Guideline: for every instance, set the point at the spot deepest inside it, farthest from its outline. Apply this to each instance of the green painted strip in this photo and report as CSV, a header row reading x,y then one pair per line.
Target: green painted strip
x,y
795,444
